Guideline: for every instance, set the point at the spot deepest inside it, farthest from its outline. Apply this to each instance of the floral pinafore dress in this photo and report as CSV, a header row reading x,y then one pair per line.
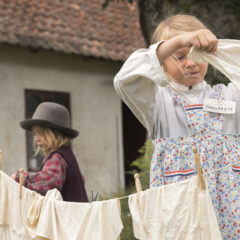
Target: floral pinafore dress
x,y
173,161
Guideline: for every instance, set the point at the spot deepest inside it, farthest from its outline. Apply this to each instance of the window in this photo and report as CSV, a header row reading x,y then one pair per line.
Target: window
x,y
32,99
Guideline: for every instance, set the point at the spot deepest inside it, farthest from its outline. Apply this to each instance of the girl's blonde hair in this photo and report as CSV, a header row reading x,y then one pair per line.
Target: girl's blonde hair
x,y
176,25
54,139
173,26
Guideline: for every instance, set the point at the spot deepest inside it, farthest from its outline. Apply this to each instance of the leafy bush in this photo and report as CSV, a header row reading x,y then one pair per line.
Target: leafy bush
x,y
215,77
142,166
143,163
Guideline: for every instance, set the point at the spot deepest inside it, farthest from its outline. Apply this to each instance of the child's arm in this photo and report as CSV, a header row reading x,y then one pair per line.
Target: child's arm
x,y
51,176
200,39
137,83
139,80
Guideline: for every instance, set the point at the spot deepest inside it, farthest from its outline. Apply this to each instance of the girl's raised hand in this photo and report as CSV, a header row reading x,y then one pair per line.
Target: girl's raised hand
x,y
201,39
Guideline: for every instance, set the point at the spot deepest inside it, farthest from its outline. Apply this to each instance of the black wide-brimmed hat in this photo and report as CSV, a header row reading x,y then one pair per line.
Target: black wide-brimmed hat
x,y
51,115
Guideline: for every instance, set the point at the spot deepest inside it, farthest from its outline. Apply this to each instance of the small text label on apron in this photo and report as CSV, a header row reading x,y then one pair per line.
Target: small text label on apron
x,y
219,106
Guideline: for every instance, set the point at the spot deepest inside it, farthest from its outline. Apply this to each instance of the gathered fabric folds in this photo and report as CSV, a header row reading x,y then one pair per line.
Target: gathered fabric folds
x,y
49,218
13,210
226,60
174,212
74,221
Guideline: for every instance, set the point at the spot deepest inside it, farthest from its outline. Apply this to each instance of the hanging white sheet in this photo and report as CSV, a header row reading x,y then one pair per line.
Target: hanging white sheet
x,y
174,212
50,218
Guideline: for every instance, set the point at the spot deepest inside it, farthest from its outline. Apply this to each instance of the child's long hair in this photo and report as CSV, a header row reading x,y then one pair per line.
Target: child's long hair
x,y
54,139
176,25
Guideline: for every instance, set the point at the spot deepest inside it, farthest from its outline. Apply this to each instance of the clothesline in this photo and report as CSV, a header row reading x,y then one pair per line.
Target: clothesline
x,y
127,196
49,217
135,209
219,169
37,216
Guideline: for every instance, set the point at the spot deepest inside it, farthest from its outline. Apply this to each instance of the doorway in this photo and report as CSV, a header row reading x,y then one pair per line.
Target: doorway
x,y
134,136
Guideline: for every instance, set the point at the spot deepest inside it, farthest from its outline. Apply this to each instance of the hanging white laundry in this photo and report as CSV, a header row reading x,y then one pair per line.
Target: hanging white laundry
x,y
49,218
61,220
38,210
13,210
226,60
174,212
7,234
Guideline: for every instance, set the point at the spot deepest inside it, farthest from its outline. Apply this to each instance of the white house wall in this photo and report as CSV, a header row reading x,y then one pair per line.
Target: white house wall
x,y
95,109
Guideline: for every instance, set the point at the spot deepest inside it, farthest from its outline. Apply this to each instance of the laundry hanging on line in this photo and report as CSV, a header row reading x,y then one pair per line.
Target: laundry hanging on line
x,y
54,210
58,220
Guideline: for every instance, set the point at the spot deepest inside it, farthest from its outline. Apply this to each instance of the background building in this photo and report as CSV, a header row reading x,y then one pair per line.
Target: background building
x,y
68,52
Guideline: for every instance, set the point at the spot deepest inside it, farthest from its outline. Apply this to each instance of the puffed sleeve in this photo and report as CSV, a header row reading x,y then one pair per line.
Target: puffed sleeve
x,y
137,82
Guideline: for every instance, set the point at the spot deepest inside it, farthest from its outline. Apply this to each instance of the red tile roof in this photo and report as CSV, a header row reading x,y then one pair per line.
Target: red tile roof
x,y
81,27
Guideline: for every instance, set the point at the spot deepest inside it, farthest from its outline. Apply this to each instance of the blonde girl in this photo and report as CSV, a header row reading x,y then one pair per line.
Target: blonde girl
x,y
166,91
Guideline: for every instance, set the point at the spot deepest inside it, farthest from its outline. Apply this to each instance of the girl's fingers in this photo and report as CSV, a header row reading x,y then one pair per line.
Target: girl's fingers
x,y
196,42
212,49
208,41
214,44
200,39
204,42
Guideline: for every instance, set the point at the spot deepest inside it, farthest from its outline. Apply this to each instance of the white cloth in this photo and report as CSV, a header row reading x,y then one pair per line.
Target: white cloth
x,y
16,215
37,217
13,210
79,221
174,212
140,80
49,218
7,234
226,60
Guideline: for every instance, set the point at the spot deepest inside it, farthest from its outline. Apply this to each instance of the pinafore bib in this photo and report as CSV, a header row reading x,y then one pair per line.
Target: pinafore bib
x,y
173,161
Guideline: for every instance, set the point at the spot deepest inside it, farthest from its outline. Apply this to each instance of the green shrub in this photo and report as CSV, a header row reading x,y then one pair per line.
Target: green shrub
x,y
143,163
215,77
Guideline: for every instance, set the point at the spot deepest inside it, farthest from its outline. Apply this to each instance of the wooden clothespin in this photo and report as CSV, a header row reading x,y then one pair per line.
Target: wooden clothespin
x,y
138,187
199,168
0,159
21,181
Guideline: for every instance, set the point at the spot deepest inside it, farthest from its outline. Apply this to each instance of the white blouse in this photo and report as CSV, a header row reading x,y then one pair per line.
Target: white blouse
x,y
141,84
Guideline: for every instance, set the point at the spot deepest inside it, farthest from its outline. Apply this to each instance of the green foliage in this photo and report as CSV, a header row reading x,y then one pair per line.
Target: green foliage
x,y
233,4
143,163
228,4
127,232
126,217
214,77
